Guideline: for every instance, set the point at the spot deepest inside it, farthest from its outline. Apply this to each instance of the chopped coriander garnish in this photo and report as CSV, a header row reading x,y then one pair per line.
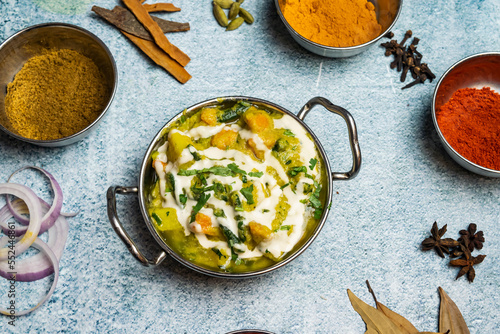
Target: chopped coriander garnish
x,y
157,218
232,239
244,179
312,163
288,162
218,252
296,170
183,119
199,205
231,170
285,185
285,227
265,210
219,213
236,169
183,199
288,133
318,213
248,193
170,183
255,174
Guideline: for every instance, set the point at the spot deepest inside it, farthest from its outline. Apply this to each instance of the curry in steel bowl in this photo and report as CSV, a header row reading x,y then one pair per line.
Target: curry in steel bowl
x,y
235,186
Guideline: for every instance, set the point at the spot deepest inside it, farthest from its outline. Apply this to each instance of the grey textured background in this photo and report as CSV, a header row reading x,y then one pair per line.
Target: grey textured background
x,y
378,220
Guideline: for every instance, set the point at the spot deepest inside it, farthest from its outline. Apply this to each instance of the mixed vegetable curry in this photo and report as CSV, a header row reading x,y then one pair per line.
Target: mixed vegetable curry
x,y
237,186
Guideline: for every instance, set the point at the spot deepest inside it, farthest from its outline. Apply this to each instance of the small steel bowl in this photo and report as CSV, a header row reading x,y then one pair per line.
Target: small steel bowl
x,y
387,14
30,42
250,331
476,71
146,177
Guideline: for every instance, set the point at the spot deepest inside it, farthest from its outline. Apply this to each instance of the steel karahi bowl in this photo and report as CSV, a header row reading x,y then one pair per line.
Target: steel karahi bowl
x,y
387,14
147,172
476,71
32,41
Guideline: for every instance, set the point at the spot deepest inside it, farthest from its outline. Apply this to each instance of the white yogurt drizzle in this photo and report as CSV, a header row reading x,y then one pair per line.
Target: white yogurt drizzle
x,y
281,241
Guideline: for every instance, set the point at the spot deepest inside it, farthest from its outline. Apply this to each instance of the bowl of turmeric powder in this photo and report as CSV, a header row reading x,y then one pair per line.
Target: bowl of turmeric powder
x,y
56,83
338,28
466,113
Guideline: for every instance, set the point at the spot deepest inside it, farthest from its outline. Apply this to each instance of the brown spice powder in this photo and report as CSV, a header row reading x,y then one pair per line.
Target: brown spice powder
x,y
55,95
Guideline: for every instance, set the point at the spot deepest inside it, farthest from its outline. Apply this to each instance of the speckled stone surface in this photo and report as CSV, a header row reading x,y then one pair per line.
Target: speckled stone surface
x,y
377,221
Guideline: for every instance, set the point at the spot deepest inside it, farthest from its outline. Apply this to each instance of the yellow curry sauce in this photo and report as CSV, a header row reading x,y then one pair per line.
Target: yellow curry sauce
x,y
237,187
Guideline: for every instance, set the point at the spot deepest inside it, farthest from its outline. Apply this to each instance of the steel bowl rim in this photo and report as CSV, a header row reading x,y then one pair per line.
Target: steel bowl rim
x,y
337,48
214,273
60,141
433,110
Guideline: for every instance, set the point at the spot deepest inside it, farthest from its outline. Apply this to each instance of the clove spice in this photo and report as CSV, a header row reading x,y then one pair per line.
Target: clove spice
x,y
407,59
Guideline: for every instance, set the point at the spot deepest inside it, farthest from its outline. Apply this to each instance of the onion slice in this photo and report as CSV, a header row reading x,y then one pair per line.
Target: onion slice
x,y
50,216
37,266
35,210
42,246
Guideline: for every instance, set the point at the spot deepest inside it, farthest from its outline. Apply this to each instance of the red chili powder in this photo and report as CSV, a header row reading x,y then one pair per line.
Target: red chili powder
x,y
470,123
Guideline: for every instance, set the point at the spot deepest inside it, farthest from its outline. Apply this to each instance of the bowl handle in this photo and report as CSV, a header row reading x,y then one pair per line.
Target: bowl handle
x,y
118,227
351,128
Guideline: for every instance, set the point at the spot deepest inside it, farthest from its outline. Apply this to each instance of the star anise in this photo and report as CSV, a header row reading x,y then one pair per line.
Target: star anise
x,y
467,263
441,246
475,240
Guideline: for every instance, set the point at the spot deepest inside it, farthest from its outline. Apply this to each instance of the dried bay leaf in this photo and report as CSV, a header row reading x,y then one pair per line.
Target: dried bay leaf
x,y
401,322
124,20
450,317
376,321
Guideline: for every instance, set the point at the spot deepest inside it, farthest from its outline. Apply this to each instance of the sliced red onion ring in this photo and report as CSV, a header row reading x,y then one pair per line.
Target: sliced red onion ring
x,y
37,266
20,208
50,217
43,247
35,210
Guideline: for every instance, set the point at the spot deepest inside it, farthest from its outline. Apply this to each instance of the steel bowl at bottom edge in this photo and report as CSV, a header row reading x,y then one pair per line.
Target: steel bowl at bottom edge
x,y
146,172
249,331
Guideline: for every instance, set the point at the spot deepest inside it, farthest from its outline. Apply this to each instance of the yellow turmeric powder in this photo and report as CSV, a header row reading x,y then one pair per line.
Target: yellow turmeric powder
x,y
338,23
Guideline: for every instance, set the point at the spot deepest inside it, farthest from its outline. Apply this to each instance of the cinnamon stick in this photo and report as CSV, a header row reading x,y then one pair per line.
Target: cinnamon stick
x,y
160,39
160,58
161,7
124,20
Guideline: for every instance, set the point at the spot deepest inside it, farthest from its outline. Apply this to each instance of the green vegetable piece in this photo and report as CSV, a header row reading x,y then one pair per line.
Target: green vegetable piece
x,y
285,185
199,205
195,154
170,184
318,213
312,163
235,24
220,16
255,174
285,227
281,145
245,14
288,133
235,199
296,170
219,213
218,252
234,10
183,199
307,188
157,218
226,4
248,193
233,112
231,238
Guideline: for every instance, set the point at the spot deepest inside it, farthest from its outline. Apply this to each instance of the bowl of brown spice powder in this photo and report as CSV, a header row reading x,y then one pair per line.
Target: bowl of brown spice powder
x,y
466,113
338,28
57,81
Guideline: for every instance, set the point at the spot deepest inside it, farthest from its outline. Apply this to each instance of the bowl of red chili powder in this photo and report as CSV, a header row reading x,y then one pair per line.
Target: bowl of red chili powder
x,y
466,113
